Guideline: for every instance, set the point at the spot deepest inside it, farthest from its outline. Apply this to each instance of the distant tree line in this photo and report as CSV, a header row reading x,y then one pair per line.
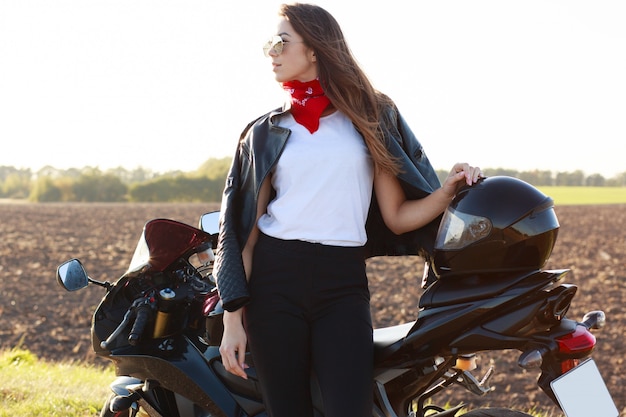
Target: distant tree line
x,y
205,184
540,178
91,184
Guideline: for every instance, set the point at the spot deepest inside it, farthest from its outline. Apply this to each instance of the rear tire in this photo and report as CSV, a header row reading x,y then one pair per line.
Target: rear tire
x,y
495,412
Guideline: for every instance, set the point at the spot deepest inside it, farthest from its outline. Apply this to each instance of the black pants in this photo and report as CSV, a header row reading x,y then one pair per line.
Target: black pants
x,y
310,314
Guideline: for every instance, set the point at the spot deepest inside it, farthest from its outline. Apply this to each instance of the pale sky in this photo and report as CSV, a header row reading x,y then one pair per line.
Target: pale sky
x,y
166,85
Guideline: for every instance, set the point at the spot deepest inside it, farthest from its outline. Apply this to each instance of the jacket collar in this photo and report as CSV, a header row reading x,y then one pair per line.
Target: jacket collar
x,y
274,115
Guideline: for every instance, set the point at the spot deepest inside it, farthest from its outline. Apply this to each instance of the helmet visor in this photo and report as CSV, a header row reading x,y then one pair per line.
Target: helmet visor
x,y
457,230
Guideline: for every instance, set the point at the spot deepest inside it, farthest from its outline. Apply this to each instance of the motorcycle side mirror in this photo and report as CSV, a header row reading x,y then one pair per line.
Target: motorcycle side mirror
x,y
210,222
72,276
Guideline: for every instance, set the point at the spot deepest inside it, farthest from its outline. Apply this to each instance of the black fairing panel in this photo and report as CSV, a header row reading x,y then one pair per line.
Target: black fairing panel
x,y
471,306
463,289
183,369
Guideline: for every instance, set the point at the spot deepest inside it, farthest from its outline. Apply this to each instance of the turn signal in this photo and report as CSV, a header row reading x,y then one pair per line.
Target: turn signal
x,y
466,362
531,359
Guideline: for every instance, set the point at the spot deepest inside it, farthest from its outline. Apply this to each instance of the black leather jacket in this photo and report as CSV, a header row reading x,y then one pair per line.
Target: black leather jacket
x,y
260,147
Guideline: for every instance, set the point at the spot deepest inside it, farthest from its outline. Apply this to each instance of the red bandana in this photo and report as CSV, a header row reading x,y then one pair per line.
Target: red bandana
x,y
308,101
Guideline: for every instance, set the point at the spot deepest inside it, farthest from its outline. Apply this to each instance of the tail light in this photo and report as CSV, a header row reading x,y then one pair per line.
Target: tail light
x,y
575,346
570,348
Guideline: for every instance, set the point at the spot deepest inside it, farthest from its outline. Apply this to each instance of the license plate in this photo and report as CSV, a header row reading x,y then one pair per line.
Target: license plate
x,y
581,392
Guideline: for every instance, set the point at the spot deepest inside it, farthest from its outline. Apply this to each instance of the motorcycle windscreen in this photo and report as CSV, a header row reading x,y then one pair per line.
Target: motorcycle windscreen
x,y
162,242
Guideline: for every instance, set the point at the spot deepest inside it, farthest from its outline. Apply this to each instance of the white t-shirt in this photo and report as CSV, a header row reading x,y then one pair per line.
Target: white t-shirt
x,y
323,184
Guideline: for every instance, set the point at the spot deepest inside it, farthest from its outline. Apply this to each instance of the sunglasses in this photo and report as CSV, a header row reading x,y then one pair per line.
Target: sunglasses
x,y
277,44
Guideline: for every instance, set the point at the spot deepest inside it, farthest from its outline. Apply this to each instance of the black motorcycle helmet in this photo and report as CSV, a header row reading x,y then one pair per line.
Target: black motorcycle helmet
x,y
498,225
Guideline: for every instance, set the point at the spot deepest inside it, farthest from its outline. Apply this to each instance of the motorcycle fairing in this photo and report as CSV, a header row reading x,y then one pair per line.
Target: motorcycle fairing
x,y
442,317
185,371
162,242
461,289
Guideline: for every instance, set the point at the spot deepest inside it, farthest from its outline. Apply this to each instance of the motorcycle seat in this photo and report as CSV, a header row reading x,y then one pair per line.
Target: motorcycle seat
x,y
387,336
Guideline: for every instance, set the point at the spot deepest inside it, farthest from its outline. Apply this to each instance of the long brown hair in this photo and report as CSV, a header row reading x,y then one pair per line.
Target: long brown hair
x,y
343,81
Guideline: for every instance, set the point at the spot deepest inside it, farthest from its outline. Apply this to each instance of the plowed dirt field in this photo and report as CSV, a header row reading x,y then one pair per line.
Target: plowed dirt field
x,y
36,314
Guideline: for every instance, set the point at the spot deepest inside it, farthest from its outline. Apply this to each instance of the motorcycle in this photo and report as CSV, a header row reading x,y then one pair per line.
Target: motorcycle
x,y
160,323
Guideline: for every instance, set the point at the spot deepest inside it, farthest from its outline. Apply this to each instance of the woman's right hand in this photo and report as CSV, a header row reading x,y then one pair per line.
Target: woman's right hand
x,y
234,341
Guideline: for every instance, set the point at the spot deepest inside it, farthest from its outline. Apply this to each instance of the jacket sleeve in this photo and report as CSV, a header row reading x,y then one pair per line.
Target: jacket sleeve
x,y
418,169
228,268
429,182
418,179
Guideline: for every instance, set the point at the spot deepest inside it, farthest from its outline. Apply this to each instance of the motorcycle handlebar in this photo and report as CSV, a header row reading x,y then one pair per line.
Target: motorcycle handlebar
x,y
143,316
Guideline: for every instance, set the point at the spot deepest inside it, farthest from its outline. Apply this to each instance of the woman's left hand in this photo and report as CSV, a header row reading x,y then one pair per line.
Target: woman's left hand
x,y
461,172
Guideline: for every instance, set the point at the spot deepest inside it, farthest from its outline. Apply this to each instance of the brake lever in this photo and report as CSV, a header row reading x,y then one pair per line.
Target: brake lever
x,y
105,344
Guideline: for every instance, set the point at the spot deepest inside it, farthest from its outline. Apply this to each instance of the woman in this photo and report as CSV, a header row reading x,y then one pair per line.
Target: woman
x,y
315,187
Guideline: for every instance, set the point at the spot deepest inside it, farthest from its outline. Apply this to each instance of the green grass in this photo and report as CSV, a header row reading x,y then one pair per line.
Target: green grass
x,y
565,196
32,387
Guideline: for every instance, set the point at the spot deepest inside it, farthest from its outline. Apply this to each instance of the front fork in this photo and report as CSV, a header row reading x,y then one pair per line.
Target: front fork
x,y
126,390
132,398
